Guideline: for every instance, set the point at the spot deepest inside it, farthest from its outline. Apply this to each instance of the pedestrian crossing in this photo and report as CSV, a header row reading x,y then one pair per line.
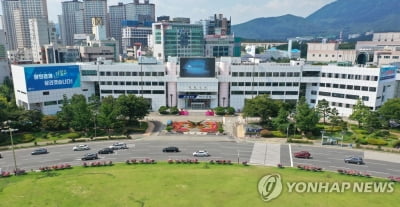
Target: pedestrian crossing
x,y
265,154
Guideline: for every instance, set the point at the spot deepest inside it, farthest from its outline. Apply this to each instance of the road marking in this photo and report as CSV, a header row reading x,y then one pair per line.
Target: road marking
x,y
290,154
394,170
376,172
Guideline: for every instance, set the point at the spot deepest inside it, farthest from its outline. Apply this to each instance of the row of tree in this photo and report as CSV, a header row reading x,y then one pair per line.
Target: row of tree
x,y
300,117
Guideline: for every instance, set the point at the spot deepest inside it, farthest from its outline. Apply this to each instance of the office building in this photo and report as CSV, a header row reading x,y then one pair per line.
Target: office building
x,y
72,21
94,9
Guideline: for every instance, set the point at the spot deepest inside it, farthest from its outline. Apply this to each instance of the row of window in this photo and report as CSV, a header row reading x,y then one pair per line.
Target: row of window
x,y
350,76
264,92
343,86
337,104
266,74
132,91
132,83
120,73
326,55
340,95
288,84
388,57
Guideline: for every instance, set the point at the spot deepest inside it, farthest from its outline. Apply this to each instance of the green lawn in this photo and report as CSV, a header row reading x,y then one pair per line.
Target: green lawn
x,y
165,184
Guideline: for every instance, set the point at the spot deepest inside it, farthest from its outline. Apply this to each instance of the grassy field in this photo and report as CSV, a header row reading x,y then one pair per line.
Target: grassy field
x,y
165,184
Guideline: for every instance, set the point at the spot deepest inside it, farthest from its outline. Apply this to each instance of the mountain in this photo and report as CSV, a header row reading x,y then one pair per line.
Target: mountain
x,y
347,16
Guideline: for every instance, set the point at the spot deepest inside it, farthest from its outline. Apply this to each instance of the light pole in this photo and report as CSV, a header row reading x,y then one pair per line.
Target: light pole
x,y
343,133
170,95
223,101
322,140
11,130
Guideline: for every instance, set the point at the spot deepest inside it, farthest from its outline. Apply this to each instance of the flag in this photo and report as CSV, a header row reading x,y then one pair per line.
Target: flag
x,y
139,52
251,50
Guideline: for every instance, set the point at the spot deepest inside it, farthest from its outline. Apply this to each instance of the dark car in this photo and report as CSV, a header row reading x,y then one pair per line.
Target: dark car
x,y
90,156
171,149
106,151
302,154
39,151
354,160
1,156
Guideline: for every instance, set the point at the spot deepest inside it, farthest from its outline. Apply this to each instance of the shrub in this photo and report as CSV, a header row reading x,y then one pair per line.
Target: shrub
x,y
278,134
72,135
265,133
27,137
381,133
174,110
219,111
168,128
163,110
396,144
300,141
375,141
230,110
361,141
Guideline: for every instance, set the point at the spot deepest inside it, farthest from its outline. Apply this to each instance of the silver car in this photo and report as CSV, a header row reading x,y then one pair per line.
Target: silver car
x,y
81,147
118,146
201,153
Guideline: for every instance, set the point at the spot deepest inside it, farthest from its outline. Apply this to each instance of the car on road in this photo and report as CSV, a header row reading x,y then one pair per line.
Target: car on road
x,y
106,151
81,147
171,149
302,154
201,153
1,156
118,146
90,156
39,151
354,160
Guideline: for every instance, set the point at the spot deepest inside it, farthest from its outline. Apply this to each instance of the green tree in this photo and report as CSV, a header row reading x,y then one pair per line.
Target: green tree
x,y
372,121
81,114
66,113
390,110
132,108
262,106
51,123
360,111
306,117
281,122
334,118
108,114
323,109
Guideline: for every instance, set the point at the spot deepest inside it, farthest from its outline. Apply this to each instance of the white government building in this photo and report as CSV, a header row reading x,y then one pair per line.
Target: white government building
x,y
205,83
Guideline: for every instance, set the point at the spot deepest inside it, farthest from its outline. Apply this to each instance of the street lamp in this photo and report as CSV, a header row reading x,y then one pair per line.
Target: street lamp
x,y
11,130
223,101
170,100
322,140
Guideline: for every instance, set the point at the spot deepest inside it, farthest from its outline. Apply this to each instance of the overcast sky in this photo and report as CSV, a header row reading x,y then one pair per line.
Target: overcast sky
x,y
239,10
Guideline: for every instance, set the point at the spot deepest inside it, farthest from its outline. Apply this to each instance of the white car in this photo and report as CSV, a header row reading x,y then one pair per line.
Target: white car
x,y
81,147
118,146
201,153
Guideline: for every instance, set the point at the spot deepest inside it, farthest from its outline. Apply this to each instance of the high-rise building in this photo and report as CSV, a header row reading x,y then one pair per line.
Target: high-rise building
x,y
177,40
94,9
72,21
140,11
39,30
117,15
26,9
135,34
8,7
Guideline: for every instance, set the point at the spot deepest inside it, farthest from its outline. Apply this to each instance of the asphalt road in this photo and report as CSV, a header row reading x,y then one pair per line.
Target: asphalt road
x,y
220,147
138,149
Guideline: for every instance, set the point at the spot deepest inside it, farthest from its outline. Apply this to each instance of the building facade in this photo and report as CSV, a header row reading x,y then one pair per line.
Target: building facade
x,y
204,83
94,9
71,20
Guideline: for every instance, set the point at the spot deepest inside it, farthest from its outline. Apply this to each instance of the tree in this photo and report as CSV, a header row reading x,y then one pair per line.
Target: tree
x,y
262,106
81,115
372,121
65,115
360,111
52,123
132,108
334,118
281,122
323,109
306,117
390,110
108,114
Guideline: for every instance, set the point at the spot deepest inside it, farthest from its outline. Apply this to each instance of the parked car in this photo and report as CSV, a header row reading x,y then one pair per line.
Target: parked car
x,y
90,156
81,147
39,151
354,160
302,154
201,153
106,151
171,149
118,146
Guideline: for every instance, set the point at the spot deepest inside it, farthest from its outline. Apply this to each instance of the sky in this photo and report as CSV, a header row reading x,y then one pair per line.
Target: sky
x,y
239,10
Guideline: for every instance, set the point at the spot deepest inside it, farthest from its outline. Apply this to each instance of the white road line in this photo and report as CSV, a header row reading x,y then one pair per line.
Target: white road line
x,y
290,154
371,171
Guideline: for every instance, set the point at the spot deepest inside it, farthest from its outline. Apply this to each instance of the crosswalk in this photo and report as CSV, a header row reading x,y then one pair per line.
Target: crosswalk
x,y
265,154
